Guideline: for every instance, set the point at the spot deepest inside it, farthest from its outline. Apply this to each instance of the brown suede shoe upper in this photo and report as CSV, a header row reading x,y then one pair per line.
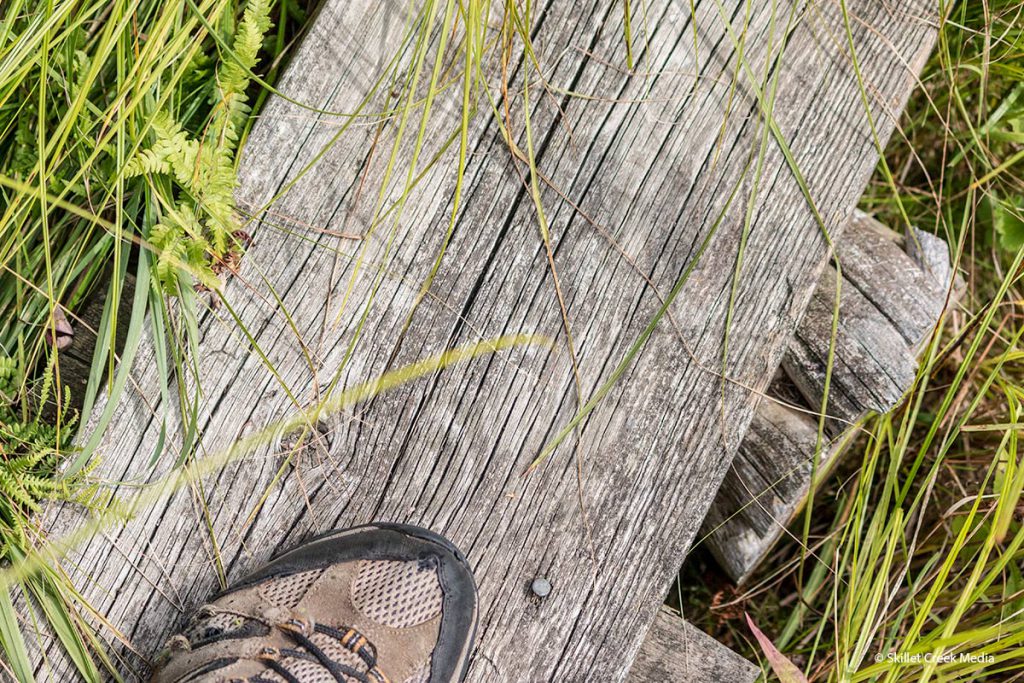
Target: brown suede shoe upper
x,y
363,619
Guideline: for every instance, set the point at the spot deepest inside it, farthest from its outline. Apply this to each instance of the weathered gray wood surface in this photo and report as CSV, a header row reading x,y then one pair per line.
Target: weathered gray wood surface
x,y
875,364
653,160
765,487
872,366
888,307
676,651
910,297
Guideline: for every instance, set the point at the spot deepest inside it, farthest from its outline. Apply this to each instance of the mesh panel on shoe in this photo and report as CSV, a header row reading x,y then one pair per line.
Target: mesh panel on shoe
x,y
397,594
286,591
204,628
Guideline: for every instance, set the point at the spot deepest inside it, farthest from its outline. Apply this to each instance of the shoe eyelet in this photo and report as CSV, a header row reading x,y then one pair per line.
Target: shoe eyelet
x,y
298,624
179,643
206,611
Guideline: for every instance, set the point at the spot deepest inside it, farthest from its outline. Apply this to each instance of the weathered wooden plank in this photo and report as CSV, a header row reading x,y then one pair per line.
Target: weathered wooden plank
x,y
875,364
890,303
766,486
872,367
931,254
911,298
652,159
676,651
891,300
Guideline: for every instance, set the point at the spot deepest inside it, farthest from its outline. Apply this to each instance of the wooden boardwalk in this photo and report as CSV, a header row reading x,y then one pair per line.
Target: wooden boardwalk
x,y
654,166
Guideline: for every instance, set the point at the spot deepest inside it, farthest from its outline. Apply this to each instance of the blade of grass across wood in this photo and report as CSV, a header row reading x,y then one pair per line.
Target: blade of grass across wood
x,y
862,89
265,84
771,84
393,64
627,32
473,56
641,341
180,477
414,73
131,346
46,588
186,363
765,109
522,25
255,348
635,348
74,601
12,640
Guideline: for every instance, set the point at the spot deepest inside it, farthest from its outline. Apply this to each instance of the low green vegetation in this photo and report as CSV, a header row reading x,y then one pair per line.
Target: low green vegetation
x,y
119,127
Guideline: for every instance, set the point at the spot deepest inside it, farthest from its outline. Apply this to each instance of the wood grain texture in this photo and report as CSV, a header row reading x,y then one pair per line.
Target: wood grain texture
x,y
676,651
910,297
652,159
872,367
890,302
764,488
931,254
875,365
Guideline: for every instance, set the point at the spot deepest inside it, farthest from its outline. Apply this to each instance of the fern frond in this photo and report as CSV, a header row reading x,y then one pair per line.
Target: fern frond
x,y
172,152
230,106
202,219
147,162
31,450
8,369
11,489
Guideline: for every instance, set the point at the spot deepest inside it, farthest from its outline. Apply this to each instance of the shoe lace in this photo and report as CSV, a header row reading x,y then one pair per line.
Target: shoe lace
x,y
301,633
348,638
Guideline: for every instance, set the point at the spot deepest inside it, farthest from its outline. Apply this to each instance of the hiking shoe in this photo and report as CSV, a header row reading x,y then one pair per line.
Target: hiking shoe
x,y
378,603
